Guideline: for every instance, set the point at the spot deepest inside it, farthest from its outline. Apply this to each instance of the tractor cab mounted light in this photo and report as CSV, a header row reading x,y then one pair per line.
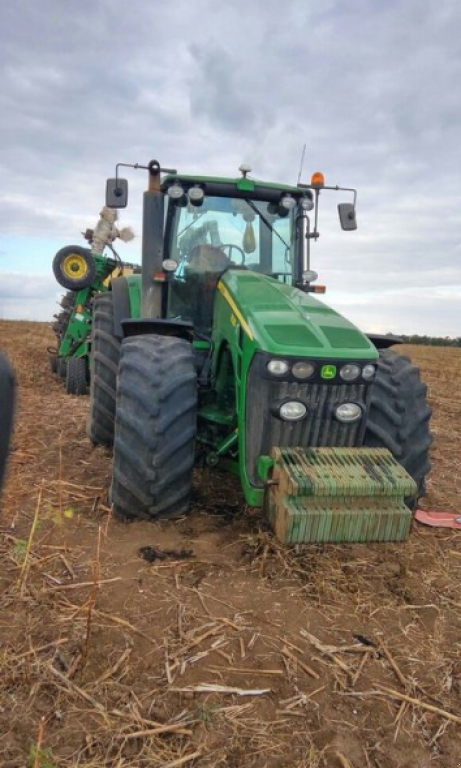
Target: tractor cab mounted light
x,y
309,276
306,204
318,180
287,202
196,195
170,265
176,192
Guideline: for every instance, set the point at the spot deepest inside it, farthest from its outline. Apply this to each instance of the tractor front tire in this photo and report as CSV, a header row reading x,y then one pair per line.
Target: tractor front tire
x,y
155,428
76,383
74,267
54,363
399,417
105,355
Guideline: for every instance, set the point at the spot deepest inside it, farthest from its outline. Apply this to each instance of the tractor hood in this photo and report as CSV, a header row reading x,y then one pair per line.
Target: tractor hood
x,y
283,320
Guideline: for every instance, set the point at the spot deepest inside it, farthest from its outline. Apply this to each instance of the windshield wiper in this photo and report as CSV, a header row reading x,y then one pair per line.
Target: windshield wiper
x,y
194,221
266,221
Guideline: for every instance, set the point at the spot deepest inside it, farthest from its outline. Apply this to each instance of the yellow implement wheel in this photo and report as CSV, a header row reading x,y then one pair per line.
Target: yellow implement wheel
x,y
74,267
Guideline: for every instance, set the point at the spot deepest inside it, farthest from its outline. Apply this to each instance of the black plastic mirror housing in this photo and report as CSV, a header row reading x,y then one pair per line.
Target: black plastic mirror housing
x,y
347,216
116,193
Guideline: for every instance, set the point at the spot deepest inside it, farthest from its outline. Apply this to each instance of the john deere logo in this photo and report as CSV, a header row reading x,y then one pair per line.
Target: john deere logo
x,y
328,372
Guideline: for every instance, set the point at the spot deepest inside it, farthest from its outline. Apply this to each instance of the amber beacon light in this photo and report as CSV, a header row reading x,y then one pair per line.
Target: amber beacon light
x,y
318,179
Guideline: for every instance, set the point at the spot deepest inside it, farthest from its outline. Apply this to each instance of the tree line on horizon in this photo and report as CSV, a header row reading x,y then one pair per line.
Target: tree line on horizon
x,y
431,341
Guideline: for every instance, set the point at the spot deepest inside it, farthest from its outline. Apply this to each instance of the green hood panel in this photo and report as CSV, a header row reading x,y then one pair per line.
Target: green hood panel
x,y
286,321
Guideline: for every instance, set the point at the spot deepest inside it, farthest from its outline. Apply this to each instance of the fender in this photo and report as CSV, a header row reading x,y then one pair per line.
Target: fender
x,y
383,341
158,326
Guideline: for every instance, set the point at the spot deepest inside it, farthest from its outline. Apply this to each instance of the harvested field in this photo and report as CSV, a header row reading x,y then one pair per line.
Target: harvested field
x,y
228,650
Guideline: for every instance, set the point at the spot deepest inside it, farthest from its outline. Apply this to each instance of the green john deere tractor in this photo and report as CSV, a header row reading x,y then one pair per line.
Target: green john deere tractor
x,y
84,273
220,354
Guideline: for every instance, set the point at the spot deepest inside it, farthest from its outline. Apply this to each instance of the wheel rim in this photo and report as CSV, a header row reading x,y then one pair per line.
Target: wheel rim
x,y
74,266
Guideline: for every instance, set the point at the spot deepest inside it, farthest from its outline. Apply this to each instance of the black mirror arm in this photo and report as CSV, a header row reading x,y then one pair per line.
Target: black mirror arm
x,y
153,168
345,189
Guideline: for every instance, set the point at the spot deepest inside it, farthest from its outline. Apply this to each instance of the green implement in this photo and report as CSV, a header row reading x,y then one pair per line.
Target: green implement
x,y
320,495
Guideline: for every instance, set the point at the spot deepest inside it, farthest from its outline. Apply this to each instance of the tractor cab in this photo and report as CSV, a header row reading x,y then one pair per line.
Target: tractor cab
x,y
205,236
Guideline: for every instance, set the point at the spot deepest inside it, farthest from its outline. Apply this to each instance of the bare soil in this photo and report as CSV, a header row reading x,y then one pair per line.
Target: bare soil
x,y
334,655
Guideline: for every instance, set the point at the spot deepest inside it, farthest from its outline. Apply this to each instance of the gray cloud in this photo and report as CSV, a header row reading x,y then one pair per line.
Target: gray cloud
x,y
372,88
28,297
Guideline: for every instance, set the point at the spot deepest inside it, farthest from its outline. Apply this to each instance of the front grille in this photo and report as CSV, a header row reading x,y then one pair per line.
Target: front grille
x,y
320,429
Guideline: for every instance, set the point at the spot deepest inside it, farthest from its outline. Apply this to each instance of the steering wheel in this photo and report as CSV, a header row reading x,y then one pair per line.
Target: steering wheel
x,y
230,246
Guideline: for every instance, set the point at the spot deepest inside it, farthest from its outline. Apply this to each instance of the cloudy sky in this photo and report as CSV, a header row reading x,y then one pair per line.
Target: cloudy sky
x,y
371,87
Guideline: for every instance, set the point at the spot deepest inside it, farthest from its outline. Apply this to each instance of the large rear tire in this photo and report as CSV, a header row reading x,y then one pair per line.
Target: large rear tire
x,y
399,417
105,355
155,428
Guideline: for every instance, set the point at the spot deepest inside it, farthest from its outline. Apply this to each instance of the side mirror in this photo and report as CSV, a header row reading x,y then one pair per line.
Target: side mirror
x,y
116,193
347,216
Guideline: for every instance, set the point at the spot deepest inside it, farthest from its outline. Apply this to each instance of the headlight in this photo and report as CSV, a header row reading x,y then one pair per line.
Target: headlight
x,y
196,195
307,204
288,202
348,413
277,367
293,410
175,191
309,276
303,370
170,265
369,372
349,372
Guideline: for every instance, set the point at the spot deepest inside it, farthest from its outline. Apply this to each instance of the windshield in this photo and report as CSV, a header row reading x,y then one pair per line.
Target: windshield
x,y
223,233
250,233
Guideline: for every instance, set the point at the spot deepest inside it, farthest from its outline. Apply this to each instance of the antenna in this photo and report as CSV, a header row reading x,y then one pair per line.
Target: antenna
x,y
302,163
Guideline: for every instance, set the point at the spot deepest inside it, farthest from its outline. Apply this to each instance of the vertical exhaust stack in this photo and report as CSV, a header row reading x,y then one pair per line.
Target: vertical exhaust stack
x,y
152,243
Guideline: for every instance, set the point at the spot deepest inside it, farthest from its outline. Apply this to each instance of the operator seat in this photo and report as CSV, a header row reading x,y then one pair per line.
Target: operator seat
x,y
207,259
204,267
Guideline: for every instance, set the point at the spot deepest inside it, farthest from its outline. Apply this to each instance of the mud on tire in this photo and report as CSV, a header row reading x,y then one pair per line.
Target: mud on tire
x,y
105,355
155,428
399,416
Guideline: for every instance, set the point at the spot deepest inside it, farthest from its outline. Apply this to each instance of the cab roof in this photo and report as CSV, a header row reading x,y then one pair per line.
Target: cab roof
x,y
237,187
